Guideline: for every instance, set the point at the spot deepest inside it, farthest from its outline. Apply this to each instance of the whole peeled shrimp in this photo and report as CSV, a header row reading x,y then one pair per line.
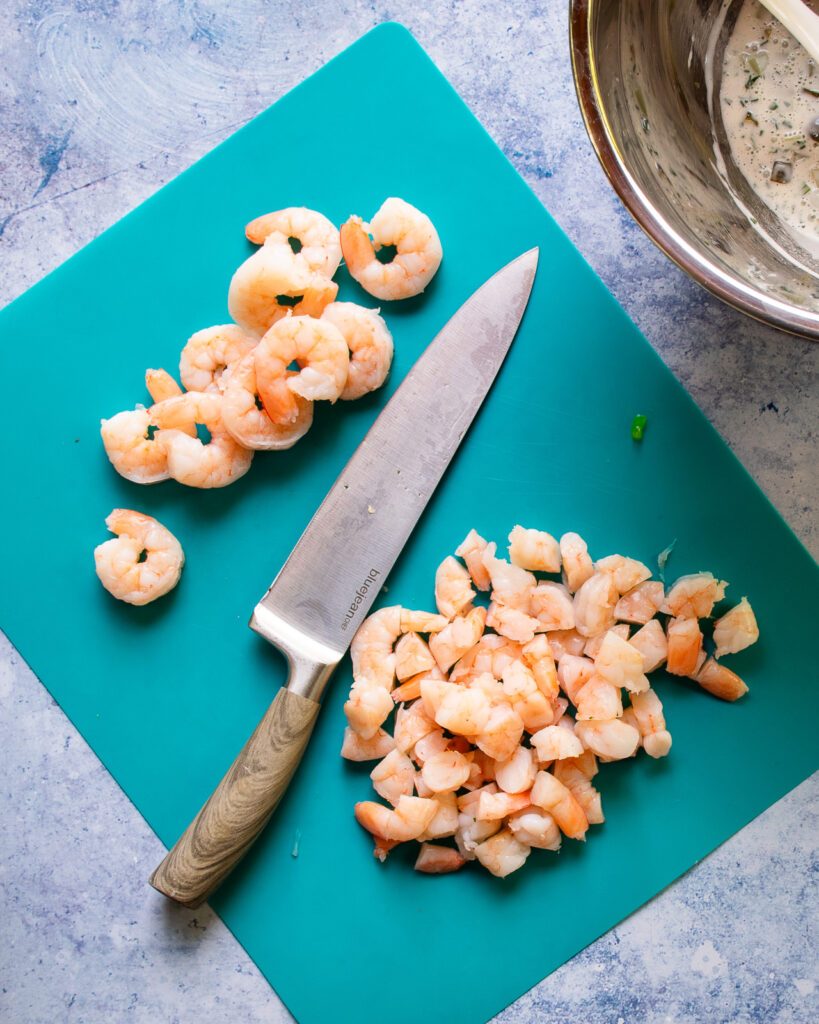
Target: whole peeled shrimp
x,y
209,355
319,248
417,257
142,562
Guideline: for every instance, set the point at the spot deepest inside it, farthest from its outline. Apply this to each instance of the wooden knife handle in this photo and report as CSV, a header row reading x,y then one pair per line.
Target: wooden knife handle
x,y
242,804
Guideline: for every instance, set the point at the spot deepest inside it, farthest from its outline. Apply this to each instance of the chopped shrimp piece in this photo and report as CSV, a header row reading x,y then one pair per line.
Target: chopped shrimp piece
x,y
142,562
368,707
720,681
411,724
319,243
319,350
372,647
573,673
445,821
471,551
577,565
495,806
620,664
518,681
469,802
501,734
433,743
694,596
552,606
554,743
457,637
576,776
561,707
517,773
550,794
651,642
421,622
412,656
438,860
249,425
445,772
641,603
736,630
209,356
471,833
417,257
684,646
161,385
394,777
627,573
502,854
433,692
594,604
534,550
610,741
599,700
356,748
370,344
511,585
453,588
478,659
482,770
537,656
628,716
268,286
410,689
511,622
566,641
463,711
648,710
216,463
536,828
407,821
490,686
592,648
535,710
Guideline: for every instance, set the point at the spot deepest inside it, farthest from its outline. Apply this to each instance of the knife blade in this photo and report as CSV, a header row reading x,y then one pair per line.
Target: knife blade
x,y
325,588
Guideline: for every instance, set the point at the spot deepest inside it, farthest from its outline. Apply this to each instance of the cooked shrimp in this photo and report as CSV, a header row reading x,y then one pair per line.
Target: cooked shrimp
x,y
577,565
130,444
502,732
219,462
161,385
410,689
536,828
417,257
319,244
434,742
321,352
566,641
412,724
511,585
694,596
627,573
370,344
573,672
593,645
407,821
554,743
517,773
457,637
438,860
651,642
142,562
208,356
552,606
511,623
372,646
736,630
720,681
684,646
412,656
471,550
537,655
534,549
493,806
641,603
576,775
521,688
620,664
356,748
599,700
594,604
471,833
394,777
648,710
453,587
269,286
550,794
249,425
446,771
612,740
445,820
502,853
463,711
368,706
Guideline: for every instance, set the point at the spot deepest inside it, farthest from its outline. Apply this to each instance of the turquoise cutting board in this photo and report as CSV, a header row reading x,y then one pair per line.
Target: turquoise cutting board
x,y
167,694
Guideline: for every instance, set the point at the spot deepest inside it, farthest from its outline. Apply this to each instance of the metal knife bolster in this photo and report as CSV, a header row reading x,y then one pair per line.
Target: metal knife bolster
x,y
310,662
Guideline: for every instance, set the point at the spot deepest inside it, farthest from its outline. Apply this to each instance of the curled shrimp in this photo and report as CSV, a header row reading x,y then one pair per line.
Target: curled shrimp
x,y
319,246
320,351
267,287
370,344
209,355
249,425
217,463
417,257
130,444
142,562
408,820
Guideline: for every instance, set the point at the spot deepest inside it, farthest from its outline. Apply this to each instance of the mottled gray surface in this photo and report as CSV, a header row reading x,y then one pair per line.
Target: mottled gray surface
x,y
100,104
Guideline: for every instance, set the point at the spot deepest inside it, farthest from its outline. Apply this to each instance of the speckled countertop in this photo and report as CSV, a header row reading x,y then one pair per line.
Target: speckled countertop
x,y
103,102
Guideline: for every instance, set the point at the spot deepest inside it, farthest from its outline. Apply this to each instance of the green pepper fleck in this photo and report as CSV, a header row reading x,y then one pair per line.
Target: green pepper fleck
x,y
638,426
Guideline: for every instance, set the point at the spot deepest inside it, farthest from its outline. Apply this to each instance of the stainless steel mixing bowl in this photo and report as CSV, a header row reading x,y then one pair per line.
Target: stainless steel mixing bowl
x,y
648,85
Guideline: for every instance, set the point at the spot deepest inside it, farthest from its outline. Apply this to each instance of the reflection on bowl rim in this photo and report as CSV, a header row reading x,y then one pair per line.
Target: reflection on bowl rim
x,y
730,289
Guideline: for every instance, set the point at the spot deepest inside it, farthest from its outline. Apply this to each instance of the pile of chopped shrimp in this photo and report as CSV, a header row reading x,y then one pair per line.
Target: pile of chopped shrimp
x,y
239,377
504,712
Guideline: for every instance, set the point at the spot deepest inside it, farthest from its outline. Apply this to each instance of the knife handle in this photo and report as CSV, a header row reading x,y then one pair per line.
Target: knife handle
x,y
241,805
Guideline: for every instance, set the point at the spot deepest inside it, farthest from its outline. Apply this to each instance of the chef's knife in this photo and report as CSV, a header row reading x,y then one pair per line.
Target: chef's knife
x,y
339,565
